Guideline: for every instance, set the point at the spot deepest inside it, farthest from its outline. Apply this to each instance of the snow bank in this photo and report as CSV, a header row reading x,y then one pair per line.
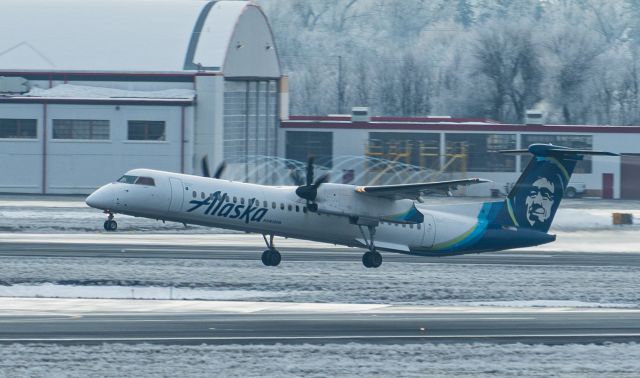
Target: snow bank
x,y
329,360
79,91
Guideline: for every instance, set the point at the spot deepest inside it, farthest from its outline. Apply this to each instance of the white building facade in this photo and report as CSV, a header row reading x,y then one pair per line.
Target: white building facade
x,y
463,148
89,90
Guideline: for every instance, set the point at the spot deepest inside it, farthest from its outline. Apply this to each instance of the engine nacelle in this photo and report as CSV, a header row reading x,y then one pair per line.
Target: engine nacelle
x,y
340,199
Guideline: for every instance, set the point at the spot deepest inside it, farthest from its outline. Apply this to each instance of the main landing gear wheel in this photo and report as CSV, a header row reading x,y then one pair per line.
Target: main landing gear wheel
x,y
372,259
110,224
270,257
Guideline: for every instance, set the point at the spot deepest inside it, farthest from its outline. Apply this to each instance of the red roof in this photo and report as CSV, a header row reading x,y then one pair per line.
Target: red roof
x,y
443,124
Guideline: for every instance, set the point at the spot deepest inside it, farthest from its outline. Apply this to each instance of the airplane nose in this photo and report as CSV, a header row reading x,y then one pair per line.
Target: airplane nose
x,y
101,199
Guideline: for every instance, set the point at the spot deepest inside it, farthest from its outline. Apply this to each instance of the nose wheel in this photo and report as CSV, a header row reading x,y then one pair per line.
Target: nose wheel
x,y
270,257
110,224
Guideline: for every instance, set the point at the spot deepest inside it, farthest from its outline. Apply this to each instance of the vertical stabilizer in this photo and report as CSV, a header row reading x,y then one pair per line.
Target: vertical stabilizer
x,y
534,200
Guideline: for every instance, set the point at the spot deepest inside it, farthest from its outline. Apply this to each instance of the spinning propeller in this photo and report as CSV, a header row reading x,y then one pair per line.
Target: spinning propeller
x,y
205,168
309,191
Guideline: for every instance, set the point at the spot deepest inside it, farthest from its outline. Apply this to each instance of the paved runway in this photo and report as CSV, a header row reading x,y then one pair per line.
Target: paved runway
x,y
230,252
535,328
404,325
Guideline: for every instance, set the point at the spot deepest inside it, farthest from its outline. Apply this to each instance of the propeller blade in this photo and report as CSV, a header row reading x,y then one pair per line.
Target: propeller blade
x,y
310,170
205,166
321,180
296,177
220,170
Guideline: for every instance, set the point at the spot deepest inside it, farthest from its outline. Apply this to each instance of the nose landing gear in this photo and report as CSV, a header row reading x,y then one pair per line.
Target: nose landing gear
x,y
110,224
270,257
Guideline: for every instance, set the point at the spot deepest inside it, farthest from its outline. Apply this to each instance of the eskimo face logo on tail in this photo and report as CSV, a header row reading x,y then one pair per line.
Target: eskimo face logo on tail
x,y
540,201
539,195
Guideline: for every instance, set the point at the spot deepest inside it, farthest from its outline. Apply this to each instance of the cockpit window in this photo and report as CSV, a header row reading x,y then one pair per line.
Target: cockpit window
x,y
145,181
127,179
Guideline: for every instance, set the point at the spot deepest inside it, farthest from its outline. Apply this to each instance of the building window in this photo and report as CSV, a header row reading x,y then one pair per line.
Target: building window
x,y
250,122
146,130
480,152
85,129
583,142
419,149
18,128
302,144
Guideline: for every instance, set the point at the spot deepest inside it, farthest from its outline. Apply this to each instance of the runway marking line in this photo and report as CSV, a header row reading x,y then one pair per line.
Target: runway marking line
x,y
343,337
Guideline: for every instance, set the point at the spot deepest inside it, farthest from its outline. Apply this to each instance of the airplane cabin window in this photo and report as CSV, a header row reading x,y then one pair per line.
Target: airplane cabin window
x,y
273,205
202,195
304,209
410,226
404,225
127,179
282,206
235,199
242,201
265,204
289,207
195,194
419,226
297,209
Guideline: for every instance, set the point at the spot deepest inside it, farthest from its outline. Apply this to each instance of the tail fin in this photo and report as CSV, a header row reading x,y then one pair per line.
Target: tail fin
x,y
534,199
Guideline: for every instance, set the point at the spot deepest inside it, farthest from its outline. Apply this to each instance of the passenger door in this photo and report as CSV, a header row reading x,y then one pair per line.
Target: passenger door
x,y
177,195
428,230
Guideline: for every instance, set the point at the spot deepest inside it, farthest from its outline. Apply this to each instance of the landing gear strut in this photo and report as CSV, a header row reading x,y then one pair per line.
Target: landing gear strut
x,y
373,258
110,224
270,257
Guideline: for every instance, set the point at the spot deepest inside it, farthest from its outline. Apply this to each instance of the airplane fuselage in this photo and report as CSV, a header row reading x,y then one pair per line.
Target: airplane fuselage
x,y
269,210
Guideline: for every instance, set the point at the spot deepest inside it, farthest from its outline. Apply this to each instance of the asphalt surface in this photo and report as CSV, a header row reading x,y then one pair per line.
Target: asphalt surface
x,y
195,329
226,252
541,326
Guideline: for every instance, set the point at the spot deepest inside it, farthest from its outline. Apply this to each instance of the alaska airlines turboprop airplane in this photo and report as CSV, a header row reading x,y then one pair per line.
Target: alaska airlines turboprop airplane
x,y
379,218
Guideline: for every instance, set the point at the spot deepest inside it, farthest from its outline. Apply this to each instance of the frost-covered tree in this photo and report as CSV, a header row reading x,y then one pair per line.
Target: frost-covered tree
x,y
471,58
464,13
507,57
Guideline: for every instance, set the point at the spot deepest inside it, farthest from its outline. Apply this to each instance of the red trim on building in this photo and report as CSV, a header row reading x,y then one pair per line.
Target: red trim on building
x,y
450,125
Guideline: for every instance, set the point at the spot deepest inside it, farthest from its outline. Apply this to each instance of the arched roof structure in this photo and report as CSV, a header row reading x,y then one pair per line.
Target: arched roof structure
x,y
137,36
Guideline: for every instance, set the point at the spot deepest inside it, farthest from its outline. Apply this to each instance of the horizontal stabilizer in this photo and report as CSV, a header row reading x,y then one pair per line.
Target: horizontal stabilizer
x,y
413,191
551,150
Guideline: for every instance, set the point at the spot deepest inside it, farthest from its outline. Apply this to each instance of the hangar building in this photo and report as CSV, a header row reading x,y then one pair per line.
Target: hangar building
x,y
91,89
460,148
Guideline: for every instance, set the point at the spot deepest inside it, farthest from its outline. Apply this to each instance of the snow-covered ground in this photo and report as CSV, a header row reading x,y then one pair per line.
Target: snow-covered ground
x,y
64,219
318,281
329,360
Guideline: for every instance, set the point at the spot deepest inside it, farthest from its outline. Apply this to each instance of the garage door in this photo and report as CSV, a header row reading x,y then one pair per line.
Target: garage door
x,y
630,175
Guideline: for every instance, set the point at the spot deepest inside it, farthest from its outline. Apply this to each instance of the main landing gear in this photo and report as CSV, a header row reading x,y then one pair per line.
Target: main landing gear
x,y
373,258
270,257
110,224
